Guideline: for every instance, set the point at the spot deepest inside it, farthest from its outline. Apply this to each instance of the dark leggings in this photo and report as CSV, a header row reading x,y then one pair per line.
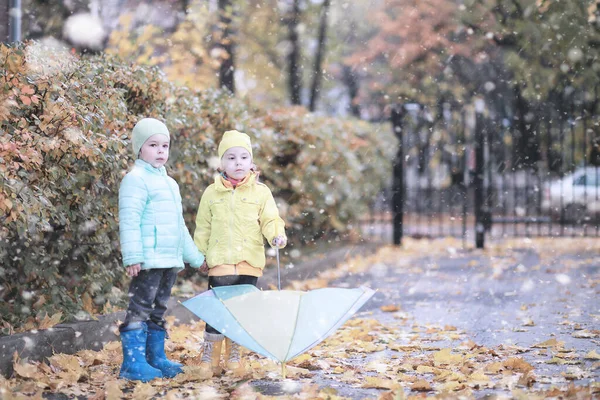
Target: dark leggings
x,y
228,280
149,293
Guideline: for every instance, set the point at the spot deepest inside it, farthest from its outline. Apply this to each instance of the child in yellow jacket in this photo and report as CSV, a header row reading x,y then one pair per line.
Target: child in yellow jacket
x,y
235,213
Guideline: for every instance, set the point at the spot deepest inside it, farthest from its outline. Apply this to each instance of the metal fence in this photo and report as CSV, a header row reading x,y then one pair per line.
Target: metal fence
x,y
473,176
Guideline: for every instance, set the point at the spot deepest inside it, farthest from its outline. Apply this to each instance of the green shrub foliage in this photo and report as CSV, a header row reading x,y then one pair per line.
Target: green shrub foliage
x,y
64,147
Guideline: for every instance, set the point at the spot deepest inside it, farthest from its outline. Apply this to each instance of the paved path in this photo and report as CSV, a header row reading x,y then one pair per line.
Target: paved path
x,y
514,298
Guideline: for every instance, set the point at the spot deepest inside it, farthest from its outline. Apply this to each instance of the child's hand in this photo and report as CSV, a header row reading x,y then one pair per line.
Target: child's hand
x,y
134,270
279,241
204,267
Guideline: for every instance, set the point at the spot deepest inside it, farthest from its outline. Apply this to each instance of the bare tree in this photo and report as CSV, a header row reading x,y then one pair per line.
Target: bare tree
x,y
4,20
227,43
351,81
295,73
318,69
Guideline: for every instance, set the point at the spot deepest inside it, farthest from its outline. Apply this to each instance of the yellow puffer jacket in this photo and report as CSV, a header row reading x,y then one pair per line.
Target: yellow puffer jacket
x,y
231,223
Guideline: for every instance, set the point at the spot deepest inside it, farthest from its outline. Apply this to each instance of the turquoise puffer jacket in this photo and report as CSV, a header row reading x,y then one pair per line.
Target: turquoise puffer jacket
x,y
151,225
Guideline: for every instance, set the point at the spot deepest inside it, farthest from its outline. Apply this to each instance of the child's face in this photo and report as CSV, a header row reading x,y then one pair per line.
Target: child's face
x,y
236,162
155,150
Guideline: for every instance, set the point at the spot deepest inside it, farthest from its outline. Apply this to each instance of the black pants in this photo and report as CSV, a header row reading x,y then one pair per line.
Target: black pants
x,y
149,293
228,280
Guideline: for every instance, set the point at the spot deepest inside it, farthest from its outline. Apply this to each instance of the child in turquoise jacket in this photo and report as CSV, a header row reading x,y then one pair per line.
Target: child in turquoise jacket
x,y
155,243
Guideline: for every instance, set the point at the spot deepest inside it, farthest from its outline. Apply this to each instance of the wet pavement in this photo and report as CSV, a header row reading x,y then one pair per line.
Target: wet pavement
x,y
519,297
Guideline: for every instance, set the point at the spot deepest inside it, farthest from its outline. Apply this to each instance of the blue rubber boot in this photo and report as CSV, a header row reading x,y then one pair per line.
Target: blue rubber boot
x,y
155,354
135,367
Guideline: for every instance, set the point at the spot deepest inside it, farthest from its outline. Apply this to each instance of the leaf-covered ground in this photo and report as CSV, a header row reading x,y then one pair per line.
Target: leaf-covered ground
x,y
387,351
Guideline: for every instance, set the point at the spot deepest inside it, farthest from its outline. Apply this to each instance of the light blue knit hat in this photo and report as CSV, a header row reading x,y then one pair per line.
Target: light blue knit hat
x,y
144,129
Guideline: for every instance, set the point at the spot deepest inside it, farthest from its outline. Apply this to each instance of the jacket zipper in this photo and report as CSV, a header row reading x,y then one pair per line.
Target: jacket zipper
x,y
179,242
231,209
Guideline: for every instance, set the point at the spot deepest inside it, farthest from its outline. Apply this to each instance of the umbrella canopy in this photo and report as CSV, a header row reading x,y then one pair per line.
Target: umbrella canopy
x,y
279,324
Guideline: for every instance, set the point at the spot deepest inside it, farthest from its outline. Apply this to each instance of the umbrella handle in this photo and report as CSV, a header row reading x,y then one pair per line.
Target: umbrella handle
x,y
278,271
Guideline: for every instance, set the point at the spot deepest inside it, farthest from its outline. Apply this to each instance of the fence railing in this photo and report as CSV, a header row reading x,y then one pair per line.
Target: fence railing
x,y
471,176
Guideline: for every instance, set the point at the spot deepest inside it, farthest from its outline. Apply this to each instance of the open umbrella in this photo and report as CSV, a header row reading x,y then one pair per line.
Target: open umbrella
x,y
279,324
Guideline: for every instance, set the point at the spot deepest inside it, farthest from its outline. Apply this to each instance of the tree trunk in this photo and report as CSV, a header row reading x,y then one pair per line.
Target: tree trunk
x,y
527,147
227,43
295,77
351,82
318,70
4,21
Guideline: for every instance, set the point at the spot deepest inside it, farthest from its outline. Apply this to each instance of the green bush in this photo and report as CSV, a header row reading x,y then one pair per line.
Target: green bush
x,y
64,149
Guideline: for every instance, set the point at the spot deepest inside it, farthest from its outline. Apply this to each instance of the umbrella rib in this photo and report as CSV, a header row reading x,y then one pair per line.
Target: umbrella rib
x,y
333,328
295,326
238,322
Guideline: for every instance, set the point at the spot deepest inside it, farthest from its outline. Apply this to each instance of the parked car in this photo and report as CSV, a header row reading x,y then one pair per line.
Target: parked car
x,y
575,197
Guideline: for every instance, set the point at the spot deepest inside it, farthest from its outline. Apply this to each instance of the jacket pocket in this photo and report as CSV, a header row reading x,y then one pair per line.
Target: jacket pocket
x,y
250,208
219,209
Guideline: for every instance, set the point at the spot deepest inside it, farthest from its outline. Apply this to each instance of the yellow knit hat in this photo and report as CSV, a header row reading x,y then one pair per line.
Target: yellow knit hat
x,y
234,139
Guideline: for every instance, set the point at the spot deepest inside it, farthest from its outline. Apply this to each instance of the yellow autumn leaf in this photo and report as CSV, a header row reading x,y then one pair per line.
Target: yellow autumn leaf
x,y
454,336
376,366
389,308
548,343
421,386
527,379
143,391
27,370
302,358
585,334
406,368
71,370
445,356
495,367
452,386
592,355
479,376
49,322
404,347
112,346
397,394
528,322
425,369
373,382
450,328
518,365
8,204
88,303
65,362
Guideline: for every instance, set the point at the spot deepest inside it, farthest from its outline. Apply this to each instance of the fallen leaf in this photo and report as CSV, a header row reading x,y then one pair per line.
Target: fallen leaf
x,y
397,394
143,391
548,343
373,382
425,369
27,370
49,322
421,386
518,365
592,355
452,386
528,322
585,334
112,390
445,356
